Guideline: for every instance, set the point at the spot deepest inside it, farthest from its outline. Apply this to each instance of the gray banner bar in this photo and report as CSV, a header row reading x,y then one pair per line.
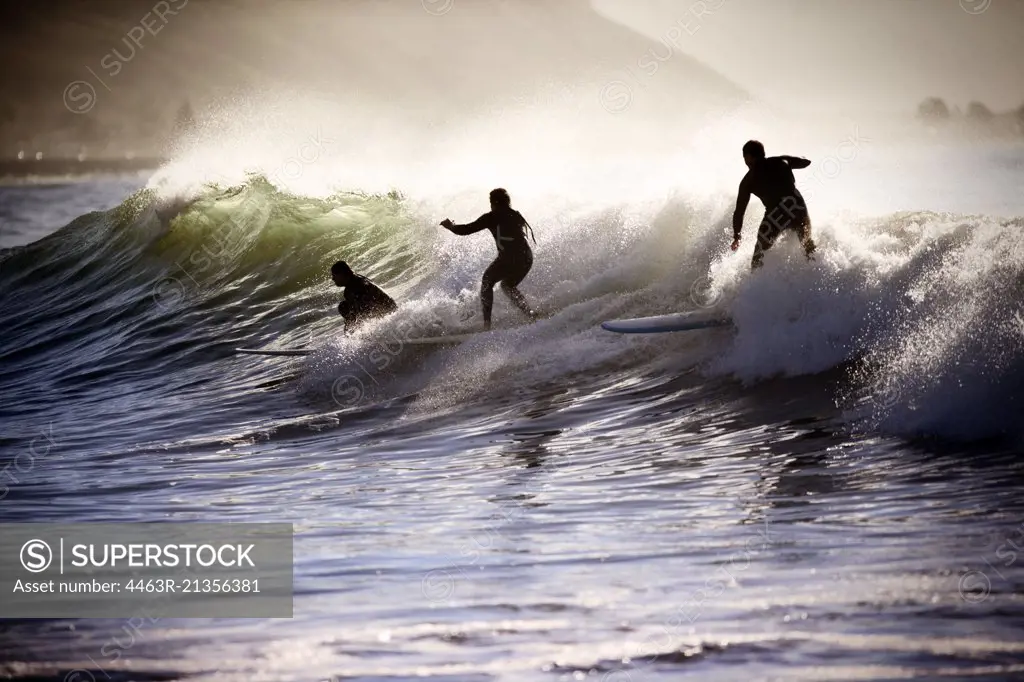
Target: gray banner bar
x,y
152,570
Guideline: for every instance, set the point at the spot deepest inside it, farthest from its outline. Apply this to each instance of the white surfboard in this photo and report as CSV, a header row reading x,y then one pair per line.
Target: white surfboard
x,y
448,339
461,335
274,353
456,337
676,322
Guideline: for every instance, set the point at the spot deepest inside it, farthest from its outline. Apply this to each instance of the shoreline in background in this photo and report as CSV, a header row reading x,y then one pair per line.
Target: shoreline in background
x,y
64,167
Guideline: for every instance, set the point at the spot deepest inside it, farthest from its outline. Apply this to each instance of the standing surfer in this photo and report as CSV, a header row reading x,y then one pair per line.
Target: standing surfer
x,y
363,300
771,180
515,258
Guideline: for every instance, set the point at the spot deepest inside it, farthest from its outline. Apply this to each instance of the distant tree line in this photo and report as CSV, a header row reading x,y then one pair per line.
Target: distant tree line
x,y
934,109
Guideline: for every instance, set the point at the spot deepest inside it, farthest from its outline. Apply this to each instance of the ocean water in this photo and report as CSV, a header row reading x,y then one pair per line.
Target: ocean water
x,y
828,491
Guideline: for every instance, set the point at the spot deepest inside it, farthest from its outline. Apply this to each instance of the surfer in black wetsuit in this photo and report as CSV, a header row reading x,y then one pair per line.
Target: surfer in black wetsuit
x,y
515,258
771,180
363,300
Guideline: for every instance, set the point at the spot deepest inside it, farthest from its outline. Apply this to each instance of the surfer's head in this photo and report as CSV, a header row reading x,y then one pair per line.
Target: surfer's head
x,y
341,273
753,151
500,199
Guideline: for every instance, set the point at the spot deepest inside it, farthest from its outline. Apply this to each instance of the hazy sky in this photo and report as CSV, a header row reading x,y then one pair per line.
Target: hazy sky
x,y
864,54
839,56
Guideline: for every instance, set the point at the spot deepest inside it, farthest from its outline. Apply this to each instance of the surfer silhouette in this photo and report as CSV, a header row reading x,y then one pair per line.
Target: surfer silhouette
x,y
771,180
363,300
515,258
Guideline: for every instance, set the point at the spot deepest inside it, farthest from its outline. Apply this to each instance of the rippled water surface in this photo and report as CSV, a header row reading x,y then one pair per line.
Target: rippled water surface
x,y
829,490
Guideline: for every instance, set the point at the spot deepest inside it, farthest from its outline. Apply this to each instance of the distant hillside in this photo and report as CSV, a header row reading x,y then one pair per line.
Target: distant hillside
x,y
430,60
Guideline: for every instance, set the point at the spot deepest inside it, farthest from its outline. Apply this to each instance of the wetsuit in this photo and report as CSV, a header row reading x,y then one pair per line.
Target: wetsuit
x,y
771,180
515,258
364,301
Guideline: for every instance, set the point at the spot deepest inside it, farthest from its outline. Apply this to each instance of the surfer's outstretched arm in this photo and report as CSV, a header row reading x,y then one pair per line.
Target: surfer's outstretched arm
x,y
796,162
742,199
481,223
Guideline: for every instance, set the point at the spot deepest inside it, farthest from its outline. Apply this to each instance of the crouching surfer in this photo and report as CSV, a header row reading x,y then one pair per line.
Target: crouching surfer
x,y
363,300
515,258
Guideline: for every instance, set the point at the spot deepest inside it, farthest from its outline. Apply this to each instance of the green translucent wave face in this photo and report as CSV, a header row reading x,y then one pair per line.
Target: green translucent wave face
x,y
287,242
278,243
231,260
